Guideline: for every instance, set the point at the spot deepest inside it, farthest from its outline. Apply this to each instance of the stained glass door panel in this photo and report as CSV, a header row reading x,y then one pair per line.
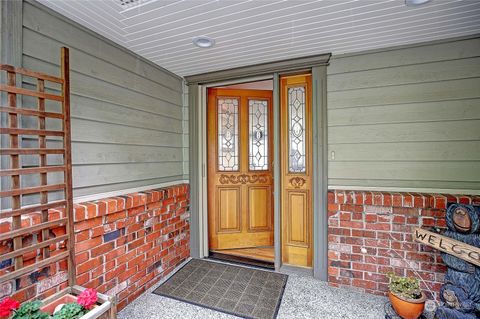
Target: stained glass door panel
x,y
296,129
227,134
259,156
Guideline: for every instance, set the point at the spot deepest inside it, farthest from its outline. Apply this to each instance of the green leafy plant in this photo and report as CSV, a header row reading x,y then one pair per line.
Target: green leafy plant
x,y
30,310
70,311
406,287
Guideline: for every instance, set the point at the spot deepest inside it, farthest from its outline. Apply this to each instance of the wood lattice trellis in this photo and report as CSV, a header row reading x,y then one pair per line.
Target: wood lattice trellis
x,y
48,249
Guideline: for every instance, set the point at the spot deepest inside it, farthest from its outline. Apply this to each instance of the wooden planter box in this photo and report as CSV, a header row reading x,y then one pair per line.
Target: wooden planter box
x,y
105,309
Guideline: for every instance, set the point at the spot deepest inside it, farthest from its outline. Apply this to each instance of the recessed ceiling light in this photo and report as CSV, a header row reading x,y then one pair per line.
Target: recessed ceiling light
x,y
203,42
415,2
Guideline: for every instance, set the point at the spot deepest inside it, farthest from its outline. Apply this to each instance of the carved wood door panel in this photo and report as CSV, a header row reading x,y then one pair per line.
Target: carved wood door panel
x,y
240,180
296,170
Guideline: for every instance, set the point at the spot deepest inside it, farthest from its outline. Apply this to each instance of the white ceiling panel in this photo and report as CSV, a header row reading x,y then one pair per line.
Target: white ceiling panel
x,y
257,31
336,31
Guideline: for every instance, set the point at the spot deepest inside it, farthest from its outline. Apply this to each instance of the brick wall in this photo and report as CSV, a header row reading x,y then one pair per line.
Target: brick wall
x,y
370,235
41,282
123,245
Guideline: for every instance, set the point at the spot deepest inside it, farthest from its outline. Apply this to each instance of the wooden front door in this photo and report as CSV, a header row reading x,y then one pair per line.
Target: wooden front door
x,y
296,170
240,198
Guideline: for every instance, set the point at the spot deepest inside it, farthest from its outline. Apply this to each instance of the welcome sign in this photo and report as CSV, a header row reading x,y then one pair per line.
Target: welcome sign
x,y
448,245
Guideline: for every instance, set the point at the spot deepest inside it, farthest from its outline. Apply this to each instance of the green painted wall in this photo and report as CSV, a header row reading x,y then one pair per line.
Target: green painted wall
x,y
127,113
406,117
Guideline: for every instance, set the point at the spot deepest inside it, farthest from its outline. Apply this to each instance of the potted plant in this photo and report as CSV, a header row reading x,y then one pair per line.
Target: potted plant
x,y
406,297
75,306
7,306
66,307
10,308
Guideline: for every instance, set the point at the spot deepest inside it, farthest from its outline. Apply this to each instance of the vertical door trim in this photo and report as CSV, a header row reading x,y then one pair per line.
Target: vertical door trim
x,y
277,226
320,171
204,163
193,169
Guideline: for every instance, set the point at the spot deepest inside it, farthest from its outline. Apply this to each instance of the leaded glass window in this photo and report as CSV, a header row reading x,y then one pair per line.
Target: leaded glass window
x,y
227,134
296,129
258,135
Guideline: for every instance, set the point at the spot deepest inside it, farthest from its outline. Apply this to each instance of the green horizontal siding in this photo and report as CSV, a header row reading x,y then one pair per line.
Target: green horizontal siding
x,y
127,114
406,118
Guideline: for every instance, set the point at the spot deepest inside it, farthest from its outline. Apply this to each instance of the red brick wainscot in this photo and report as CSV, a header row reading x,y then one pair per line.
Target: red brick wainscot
x,y
370,234
123,245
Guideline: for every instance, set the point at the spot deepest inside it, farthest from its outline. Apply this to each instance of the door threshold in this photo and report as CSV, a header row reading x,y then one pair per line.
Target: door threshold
x,y
261,253
241,260
298,270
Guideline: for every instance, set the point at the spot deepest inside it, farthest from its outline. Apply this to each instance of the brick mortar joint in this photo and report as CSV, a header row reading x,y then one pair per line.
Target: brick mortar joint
x,y
85,205
398,199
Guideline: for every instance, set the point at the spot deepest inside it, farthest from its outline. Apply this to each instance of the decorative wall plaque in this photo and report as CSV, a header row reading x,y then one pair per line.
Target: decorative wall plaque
x,y
446,244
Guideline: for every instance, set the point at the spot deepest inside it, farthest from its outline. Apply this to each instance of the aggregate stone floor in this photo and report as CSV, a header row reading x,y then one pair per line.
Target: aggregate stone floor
x,y
304,298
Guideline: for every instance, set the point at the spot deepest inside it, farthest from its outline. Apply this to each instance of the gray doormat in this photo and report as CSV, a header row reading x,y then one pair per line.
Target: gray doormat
x,y
240,291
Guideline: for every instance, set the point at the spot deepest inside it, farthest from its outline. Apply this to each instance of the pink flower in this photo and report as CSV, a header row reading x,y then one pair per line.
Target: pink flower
x,y
88,298
7,305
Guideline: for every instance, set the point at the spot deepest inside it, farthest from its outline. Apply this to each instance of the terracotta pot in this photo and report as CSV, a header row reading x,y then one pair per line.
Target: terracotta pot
x,y
49,308
407,308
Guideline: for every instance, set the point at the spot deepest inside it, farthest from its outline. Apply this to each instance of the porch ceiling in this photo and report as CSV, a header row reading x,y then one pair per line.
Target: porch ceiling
x,y
251,32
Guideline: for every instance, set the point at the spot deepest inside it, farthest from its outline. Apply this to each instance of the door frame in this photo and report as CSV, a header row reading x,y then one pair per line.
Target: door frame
x,y
197,93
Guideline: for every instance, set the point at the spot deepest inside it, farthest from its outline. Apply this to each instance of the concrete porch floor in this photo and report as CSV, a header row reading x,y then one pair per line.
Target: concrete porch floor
x,y
304,297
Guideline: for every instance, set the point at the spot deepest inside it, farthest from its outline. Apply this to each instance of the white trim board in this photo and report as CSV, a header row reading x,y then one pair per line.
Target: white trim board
x,y
88,198
407,190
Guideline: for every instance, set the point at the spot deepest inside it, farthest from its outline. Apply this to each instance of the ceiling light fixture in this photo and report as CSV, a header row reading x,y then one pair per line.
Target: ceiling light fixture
x,y
203,42
415,2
